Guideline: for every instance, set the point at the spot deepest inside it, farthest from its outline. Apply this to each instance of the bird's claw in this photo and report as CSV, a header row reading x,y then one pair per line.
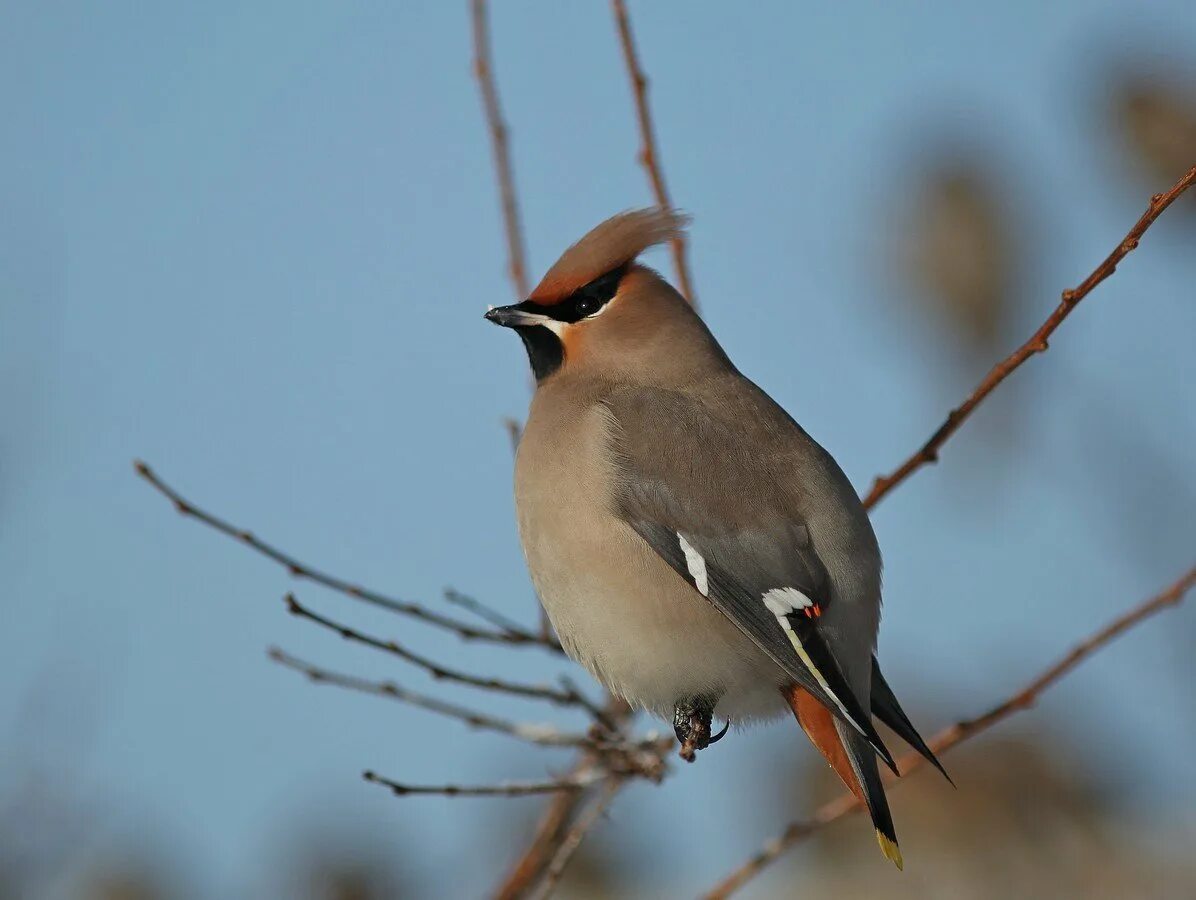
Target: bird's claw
x,y
691,724
715,738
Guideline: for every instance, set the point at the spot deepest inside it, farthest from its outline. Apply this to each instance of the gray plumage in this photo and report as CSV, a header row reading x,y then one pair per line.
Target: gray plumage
x,y
686,537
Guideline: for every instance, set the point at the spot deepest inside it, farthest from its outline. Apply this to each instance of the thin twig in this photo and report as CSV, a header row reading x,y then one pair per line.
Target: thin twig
x,y
649,156
567,697
959,732
483,67
1037,343
572,840
494,617
571,784
533,733
303,571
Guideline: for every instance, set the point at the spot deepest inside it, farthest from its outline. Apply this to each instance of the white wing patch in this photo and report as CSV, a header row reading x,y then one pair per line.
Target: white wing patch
x,y
695,564
782,602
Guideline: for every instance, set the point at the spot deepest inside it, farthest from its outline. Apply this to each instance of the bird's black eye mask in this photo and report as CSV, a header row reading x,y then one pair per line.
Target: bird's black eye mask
x,y
583,302
545,351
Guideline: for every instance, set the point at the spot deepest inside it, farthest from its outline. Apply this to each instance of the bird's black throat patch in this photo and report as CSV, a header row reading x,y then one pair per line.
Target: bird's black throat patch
x,y
545,351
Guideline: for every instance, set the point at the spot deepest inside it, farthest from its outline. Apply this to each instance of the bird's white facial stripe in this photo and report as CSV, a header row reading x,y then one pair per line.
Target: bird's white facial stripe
x,y
524,319
548,322
783,601
695,564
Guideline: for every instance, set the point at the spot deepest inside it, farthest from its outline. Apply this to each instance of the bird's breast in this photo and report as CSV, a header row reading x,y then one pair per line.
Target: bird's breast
x,y
618,608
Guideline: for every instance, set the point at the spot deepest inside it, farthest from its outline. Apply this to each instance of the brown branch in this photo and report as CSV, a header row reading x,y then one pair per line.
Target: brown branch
x,y
553,824
1037,343
649,156
483,67
550,831
571,784
301,570
959,732
567,697
572,840
483,70
531,732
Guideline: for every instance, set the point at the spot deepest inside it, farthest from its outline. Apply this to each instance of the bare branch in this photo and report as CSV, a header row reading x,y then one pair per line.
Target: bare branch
x,y
533,733
303,571
483,71
1037,343
572,783
572,840
568,697
959,732
552,826
532,863
494,617
649,156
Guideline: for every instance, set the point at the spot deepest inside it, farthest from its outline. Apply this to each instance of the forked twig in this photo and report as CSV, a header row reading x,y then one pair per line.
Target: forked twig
x,y
494,617
303,571
569,696
533,733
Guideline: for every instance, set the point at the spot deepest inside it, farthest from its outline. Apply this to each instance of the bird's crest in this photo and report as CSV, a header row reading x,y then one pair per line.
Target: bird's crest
x,y
616,242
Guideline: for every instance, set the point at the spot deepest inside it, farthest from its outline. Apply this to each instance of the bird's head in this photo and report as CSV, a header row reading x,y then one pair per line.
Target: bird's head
x,y
598,311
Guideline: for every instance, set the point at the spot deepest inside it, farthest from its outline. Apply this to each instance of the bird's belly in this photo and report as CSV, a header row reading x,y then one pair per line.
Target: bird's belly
x,y
641,629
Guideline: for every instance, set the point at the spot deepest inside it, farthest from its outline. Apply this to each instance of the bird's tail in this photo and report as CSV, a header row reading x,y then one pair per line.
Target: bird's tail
x,y
886,708
854,761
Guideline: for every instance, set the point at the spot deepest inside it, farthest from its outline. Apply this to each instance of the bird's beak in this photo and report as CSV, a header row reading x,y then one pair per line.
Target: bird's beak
x,y
514,317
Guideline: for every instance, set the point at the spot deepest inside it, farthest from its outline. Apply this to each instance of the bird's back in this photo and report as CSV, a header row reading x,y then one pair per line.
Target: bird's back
x,y
730,447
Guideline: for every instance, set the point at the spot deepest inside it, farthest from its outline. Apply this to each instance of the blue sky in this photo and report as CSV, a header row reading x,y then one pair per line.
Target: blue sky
x,y
251,244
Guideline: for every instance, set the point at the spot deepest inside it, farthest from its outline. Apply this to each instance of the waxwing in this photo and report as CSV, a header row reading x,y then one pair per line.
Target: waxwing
x,y
695,549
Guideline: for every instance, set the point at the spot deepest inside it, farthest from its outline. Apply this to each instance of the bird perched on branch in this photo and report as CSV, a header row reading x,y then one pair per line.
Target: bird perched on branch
x,y
694,548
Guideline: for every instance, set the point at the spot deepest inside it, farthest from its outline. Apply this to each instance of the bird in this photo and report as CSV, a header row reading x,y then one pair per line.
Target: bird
x,y
694,548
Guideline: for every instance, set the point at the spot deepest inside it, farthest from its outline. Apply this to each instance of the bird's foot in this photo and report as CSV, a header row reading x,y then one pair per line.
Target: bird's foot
x,y
691,723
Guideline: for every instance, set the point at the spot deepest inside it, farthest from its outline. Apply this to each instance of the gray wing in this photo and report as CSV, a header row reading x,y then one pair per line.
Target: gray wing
x,y
709,502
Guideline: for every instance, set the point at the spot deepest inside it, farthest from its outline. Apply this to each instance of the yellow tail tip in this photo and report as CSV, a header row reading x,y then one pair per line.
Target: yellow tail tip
x,y
891,851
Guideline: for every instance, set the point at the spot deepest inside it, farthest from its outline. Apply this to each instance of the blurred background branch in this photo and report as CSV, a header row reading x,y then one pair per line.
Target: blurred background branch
x,y
301,571
1037,343
483,70
649,156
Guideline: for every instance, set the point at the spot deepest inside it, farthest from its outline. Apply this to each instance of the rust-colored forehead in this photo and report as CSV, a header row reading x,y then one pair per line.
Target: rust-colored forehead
x,y
617,241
